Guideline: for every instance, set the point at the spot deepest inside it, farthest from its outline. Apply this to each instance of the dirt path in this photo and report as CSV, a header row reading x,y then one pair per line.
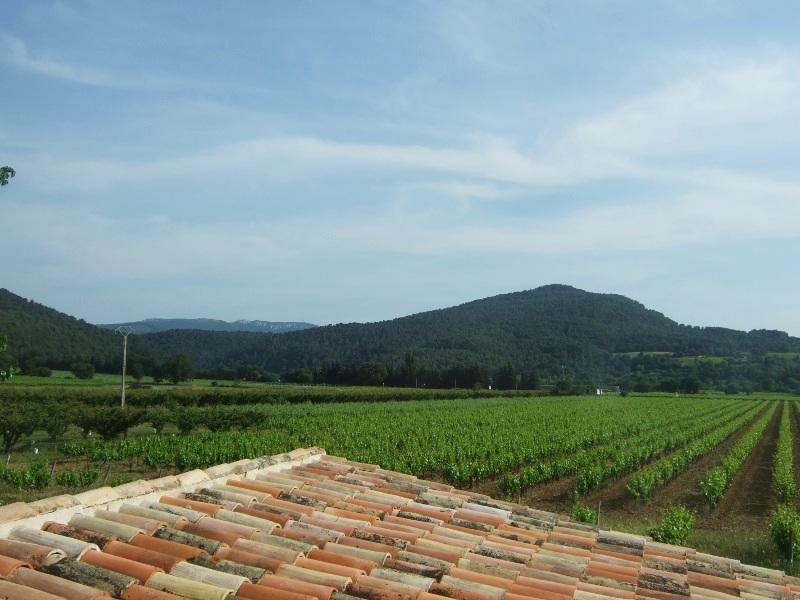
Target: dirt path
x,y
558,495
552,495
795,421
684,489
750,497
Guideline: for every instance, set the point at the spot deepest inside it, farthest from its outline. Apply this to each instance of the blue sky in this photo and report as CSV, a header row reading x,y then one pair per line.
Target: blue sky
x,y
354,161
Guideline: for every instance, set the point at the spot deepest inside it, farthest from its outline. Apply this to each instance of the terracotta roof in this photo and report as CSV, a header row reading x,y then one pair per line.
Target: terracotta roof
x,y
305,525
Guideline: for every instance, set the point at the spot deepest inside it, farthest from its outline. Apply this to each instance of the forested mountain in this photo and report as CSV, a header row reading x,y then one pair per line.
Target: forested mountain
x,y
542,329
551,333
156,325
44,336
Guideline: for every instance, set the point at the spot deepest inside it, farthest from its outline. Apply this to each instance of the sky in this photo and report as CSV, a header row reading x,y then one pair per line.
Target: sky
x,y
362,160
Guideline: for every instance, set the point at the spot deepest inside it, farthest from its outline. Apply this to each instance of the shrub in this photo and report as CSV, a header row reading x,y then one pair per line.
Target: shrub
x,y
589,479
159,417
78,478
187,419
784,529
783,462
40,372
17,420
34,477
121,479
584,514
676,524
57,427
108,422
82,370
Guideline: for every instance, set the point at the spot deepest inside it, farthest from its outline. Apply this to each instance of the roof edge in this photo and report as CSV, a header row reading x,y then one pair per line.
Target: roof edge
x,y
37,513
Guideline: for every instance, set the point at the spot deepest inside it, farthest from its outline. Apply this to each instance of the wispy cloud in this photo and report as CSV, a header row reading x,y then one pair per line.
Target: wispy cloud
x,y
645,137
697,219
487,158
462,30
14,51
691,113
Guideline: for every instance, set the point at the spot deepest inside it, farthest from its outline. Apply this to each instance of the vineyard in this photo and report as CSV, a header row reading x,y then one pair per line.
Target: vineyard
x,y
725,457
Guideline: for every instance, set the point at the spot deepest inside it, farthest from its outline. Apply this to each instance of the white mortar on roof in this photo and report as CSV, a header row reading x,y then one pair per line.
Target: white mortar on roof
x,y
107,498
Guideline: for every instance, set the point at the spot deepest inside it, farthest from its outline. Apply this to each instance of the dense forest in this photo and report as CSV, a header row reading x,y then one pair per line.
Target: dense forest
x,y
40,336
553,335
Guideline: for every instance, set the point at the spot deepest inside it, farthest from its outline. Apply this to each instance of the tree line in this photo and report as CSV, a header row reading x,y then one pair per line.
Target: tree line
x,y
552,336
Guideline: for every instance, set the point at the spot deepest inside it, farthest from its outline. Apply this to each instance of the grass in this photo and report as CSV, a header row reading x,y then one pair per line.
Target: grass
x,y
112,473
688,361
753,547
110,379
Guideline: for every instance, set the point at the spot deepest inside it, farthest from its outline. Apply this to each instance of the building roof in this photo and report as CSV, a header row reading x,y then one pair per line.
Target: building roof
x,y
306,525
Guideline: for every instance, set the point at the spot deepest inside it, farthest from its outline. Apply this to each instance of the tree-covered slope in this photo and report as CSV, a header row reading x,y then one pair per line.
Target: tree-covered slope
x,y
541,328
536,330
48,337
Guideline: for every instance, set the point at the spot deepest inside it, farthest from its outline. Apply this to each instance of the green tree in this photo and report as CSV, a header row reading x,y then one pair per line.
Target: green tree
x,y
371,373
530,380
690,384
108,422
507,377
136,370
409,370
187,418
82,370
159,416
784,528
6,366
7,362
56,428
6,173
563,387
676,525
16,421
299,375
177,368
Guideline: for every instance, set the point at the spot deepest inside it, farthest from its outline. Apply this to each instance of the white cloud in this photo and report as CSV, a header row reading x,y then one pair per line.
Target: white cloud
x,y
485,158
691,112
82,246
696,219
460,189
721,107
703,206
90,247
463,31
15,52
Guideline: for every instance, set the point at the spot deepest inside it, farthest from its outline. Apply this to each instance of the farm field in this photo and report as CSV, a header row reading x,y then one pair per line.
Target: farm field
x,y
630,456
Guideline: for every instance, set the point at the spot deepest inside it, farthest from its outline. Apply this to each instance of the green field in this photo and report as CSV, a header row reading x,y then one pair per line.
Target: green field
x,y
60,378
631,456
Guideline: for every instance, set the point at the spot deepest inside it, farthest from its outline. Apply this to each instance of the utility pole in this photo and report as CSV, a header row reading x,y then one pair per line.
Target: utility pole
x,y
124,331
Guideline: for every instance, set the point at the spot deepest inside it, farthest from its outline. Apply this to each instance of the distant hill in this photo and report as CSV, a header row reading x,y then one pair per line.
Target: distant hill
x,y
540,329
156,325
48,337
551,331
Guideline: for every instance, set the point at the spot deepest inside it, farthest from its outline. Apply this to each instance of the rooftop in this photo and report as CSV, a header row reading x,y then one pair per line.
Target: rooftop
x,y
305,525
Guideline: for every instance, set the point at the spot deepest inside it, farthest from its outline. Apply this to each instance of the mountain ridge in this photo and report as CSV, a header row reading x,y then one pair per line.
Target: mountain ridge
x,y
155,325
541,328
552,331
